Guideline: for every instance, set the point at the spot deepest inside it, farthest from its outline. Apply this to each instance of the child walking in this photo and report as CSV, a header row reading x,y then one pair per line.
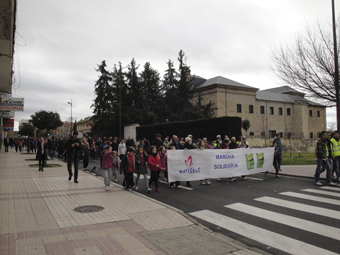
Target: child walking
x,y
116,161
155,166
163,157
128,166
107,165
141,168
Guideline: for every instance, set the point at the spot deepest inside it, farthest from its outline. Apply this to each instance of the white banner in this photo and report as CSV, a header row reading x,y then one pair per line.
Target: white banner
x,y
11,104
191,165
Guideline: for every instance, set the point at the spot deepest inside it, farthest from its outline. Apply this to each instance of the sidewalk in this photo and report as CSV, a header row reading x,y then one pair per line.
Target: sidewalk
x,y
37,217
305,171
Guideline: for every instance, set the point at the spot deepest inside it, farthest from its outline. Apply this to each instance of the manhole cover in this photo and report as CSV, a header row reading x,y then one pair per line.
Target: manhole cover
x,y
89,208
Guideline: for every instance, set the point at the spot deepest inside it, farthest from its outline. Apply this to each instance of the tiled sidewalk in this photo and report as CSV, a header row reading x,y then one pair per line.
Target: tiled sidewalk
x,y
37,217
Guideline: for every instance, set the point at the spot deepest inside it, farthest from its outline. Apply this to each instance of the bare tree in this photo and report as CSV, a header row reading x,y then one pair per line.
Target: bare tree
x,y
309,64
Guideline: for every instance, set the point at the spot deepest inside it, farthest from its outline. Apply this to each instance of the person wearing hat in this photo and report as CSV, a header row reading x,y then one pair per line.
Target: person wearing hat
x,y
74,151
157,142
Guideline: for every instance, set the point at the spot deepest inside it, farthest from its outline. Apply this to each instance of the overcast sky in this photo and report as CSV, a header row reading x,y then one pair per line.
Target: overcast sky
x,y
60,43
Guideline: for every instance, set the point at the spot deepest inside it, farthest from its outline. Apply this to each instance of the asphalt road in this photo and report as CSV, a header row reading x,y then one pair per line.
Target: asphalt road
x,y
279,215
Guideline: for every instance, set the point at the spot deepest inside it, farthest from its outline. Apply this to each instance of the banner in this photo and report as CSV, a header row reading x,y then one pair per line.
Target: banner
x,y
192,165
11,104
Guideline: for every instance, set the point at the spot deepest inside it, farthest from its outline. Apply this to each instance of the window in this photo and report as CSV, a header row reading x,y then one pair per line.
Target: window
x,y
272,133
310,113
271,110
318,135
318,113
251,134
239,108
288,111
262,109
289,134
251,108
280,110
311,135
281,134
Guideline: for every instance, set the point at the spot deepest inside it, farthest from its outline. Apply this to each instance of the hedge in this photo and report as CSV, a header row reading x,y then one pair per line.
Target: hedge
x,y
200,128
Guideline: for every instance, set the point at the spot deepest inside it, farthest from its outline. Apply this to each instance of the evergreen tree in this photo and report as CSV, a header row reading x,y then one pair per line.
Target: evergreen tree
x,y
204,111
103,103
122,103
152,110
134,93
169,87
185,90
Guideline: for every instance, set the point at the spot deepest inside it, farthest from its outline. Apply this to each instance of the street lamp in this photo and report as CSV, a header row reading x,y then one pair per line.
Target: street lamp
x,y
336,67
71,114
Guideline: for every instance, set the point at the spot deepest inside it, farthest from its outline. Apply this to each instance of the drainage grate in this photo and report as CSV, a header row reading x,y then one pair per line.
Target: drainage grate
x,y
89,208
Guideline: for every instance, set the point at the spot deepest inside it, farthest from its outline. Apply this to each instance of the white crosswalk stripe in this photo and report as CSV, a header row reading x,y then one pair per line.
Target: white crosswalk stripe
x,y
312,197
275,240
322,192
283,241
331,188
301,207
306,225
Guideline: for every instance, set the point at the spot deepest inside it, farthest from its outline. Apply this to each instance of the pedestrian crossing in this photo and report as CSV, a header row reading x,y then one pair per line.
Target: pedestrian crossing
x,y
278,226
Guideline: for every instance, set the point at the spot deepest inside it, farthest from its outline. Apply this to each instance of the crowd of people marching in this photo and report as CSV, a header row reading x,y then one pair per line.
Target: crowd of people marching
x,y
129,157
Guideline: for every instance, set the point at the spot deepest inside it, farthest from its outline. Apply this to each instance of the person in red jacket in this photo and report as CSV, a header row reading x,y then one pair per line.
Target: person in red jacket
x,y
155,165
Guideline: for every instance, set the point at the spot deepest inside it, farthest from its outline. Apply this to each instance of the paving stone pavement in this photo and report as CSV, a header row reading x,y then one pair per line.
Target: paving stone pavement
x,y
37,217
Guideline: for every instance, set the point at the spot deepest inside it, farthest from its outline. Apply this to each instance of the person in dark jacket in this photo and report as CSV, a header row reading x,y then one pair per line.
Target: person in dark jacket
x,y
321,154
141,168
73,151
130,143
114,145
128,166
6,142
53,147
61,147
41,153
279,148
157,141
86,151
233,144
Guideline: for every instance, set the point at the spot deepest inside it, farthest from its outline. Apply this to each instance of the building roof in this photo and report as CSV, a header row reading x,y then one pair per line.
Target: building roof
x,y
269,96
285,90
285,95
218,80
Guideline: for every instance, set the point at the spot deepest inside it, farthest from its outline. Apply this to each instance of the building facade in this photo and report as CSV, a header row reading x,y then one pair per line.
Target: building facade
x,y
278,110
62,131
84,126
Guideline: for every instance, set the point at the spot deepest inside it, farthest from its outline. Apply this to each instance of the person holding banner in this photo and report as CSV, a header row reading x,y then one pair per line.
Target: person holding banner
x,y
204,147
163,157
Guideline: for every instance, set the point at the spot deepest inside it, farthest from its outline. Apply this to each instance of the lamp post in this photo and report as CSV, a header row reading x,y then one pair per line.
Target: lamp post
x,y
336,66
71,114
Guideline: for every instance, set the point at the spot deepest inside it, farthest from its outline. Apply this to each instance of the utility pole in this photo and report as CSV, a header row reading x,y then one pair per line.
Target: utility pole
x,y
336,73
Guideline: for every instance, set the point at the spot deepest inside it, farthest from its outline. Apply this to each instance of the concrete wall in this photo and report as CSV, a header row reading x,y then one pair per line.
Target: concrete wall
x,y
130,131
302,145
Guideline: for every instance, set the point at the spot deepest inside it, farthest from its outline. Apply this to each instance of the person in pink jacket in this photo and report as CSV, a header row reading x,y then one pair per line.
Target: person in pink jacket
x,y
107,165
